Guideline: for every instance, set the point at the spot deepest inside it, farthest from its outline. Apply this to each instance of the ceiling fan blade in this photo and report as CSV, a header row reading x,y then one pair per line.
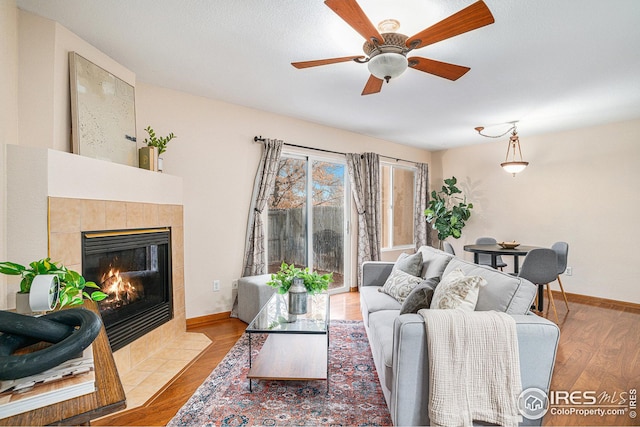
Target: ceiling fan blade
x,y
440,69
318,62
470,18
374,85
352,14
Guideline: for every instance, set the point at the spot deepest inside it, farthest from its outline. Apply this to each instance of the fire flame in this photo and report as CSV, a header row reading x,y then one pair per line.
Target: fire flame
x,y
118,288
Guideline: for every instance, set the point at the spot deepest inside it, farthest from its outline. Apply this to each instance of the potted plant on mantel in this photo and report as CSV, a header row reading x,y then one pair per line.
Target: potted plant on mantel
x,y
157,145
448,211
72,284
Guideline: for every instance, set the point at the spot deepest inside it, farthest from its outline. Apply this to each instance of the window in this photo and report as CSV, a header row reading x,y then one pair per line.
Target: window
x,y
398,195
307,217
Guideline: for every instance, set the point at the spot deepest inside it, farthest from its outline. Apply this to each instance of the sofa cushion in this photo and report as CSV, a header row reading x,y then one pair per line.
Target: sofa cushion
x,y
381,335
434,261
506,293
420,297
400,284
411,264
371,301
457,291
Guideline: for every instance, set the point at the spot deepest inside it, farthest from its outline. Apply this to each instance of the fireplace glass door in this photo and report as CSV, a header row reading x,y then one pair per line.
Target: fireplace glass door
x,y
133,267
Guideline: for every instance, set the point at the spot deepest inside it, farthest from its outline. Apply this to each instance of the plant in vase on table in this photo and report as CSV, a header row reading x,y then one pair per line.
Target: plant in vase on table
x,y
298,282
72,286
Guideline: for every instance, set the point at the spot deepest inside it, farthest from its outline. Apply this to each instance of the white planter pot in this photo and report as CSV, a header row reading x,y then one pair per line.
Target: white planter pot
x,y
22,303
44,292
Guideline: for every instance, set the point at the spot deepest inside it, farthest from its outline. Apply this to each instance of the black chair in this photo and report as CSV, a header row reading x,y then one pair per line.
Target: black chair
x,y
540,267
562,251
485,259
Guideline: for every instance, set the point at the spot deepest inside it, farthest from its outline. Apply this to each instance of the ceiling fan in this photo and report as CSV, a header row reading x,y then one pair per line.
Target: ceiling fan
x,y
386,51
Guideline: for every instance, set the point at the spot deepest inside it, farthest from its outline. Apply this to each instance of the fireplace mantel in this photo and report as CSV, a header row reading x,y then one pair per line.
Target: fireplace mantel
x,y
53,196
35,173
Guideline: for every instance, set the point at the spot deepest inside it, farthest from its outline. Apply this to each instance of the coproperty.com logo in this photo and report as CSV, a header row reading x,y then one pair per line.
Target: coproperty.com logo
x,y
534,403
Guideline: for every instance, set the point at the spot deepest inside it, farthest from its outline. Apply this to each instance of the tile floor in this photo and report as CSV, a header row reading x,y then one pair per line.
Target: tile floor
x,y
149,376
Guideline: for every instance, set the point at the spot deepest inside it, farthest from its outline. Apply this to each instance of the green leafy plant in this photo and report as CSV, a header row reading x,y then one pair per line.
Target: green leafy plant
x,y
448,211
72,289
44,266
159,142
314,282
72,284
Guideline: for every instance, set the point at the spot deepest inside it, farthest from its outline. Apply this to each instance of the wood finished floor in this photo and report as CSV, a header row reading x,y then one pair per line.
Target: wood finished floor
x,y
599,351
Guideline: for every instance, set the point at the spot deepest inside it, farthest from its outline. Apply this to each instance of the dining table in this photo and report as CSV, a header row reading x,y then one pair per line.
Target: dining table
x,y
494,250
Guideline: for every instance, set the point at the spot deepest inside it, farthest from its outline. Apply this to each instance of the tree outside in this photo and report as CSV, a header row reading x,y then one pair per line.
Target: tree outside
x,y
288,217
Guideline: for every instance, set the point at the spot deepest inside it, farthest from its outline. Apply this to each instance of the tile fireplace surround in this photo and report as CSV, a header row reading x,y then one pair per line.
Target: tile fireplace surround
x,y
53,196
151,361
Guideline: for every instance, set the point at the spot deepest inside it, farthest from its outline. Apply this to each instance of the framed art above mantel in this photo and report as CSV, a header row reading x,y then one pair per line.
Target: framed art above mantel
x,y
103,119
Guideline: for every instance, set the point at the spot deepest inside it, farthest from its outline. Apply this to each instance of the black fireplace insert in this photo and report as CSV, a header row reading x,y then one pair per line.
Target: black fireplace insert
x,y
134,268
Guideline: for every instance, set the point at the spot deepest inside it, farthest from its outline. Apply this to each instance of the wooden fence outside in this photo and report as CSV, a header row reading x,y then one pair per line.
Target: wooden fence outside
x,y
287,238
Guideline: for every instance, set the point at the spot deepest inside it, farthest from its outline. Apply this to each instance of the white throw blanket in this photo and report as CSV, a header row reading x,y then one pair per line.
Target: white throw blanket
x,y
474,367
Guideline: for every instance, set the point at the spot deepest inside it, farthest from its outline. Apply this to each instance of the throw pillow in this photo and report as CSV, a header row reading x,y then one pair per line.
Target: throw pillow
x,y
411,264
399,284
420,297
456,290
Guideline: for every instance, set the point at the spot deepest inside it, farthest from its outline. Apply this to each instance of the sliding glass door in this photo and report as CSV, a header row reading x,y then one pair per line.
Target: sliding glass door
x,y
308,217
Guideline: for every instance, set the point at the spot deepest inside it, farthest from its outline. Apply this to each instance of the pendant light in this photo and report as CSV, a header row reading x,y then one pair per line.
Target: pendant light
x,y
513,161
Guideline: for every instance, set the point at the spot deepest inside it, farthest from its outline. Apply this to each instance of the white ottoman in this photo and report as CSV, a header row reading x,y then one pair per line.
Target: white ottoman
x,y
253,294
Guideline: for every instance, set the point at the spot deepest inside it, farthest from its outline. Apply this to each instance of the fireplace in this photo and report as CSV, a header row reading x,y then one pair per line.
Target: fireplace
x,y
134,268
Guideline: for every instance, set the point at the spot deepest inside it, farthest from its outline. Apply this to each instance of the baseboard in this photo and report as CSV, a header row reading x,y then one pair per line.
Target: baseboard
x,y
196,322
589,300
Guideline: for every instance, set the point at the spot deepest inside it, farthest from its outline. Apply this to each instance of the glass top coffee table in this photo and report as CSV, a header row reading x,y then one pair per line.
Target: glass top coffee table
x,y
297,347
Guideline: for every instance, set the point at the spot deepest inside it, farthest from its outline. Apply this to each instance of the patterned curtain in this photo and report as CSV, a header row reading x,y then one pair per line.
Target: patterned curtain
x,y
364,175
372,191
420,232
356,177
254,259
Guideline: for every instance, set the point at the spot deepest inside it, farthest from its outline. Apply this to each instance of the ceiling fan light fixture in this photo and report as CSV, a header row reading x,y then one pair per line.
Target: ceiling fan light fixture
x,y
389,26
388,65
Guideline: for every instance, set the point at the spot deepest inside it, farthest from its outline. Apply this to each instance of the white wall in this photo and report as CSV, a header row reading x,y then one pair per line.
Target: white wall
x,y
214,151
8,113
217,158
44,102
580,187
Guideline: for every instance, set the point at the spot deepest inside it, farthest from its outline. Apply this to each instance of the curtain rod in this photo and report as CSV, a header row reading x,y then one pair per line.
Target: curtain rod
x,y
261,139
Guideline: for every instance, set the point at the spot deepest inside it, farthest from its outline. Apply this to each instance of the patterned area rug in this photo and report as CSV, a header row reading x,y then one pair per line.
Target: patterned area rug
x,y
354,398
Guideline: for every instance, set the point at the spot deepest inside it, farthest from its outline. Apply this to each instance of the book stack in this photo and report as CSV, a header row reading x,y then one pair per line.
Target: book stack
x,y
73,378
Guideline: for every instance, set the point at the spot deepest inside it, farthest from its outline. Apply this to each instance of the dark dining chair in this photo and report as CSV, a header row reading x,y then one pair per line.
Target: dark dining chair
x,y
485,259
448,248
562,251
540,267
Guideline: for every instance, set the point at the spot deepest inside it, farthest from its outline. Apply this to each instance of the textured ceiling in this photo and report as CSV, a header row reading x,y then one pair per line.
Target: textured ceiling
x,y
552,65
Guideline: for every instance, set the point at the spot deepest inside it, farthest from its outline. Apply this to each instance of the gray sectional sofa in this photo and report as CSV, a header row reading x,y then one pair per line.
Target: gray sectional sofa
x,y
398,342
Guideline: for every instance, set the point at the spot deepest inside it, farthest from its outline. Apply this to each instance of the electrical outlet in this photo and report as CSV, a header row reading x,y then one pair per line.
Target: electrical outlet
x,y
569,271
234,284
216,285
